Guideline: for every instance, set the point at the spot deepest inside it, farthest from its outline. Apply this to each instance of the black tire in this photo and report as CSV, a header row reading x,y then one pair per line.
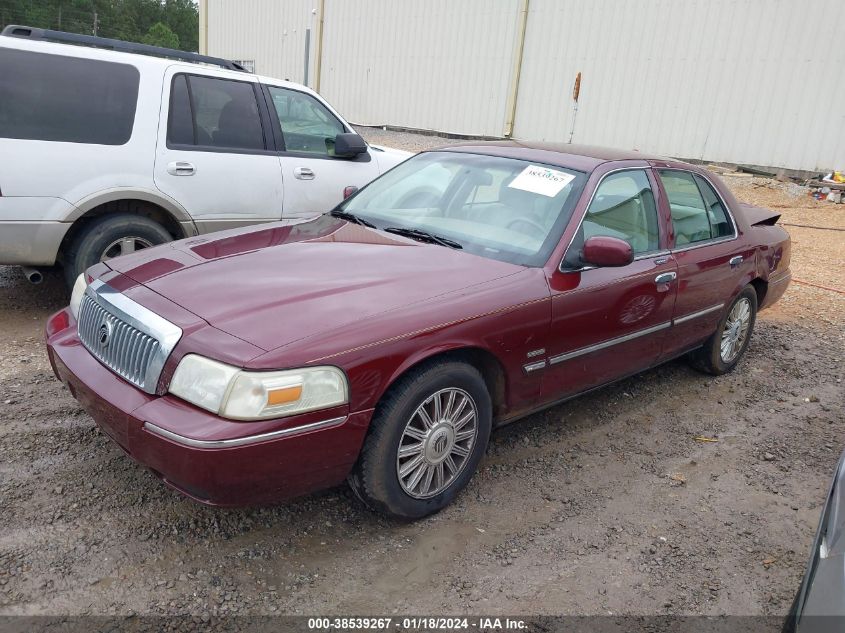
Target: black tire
x,y
375,477
87,247
708,358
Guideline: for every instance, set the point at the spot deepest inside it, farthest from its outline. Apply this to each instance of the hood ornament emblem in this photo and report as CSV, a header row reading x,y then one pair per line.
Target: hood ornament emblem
x,y
104,334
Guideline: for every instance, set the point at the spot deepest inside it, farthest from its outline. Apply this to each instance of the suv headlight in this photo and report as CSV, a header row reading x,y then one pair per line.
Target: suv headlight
x,y
257,395
76,295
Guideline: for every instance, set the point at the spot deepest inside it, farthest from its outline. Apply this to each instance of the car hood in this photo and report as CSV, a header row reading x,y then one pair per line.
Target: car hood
x,y
392,151
389,157
274,284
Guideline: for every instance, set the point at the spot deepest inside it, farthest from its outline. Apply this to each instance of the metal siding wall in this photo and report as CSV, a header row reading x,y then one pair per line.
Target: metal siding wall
x,y
744,81
434,65
271,32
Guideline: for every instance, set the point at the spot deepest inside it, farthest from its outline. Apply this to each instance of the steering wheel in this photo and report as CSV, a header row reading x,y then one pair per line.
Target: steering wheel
x,y
524,220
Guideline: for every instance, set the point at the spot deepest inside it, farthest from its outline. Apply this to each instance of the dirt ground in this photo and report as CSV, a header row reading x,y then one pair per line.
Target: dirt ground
x,y
607,504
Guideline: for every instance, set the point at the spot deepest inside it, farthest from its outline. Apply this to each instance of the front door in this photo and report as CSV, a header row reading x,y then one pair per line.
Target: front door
x,y
315,179
215,153
611,322
711,260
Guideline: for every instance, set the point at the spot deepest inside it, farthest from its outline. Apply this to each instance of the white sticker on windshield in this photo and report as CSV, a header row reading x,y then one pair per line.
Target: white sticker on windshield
x,y
541,180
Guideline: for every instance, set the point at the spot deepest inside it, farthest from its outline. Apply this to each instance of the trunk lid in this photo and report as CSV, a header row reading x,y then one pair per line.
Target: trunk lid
x,y
759,216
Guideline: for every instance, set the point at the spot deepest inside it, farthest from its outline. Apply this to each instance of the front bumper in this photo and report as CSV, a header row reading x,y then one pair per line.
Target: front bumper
x,y
208,458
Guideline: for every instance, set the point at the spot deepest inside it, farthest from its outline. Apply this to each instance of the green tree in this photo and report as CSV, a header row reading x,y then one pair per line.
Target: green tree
x,y
131,20
161,35
182,17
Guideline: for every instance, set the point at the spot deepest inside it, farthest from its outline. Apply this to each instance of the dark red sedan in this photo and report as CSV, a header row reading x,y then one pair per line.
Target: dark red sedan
x,y
380,343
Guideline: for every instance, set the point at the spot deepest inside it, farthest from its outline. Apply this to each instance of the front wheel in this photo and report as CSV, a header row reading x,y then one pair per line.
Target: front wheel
x,y
111,236
425,441
722,351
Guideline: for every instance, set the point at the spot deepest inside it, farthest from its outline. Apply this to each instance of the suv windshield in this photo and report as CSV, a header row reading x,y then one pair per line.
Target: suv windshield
x,y
502,208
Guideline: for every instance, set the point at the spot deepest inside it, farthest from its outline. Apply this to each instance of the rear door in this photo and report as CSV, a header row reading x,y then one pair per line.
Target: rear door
x,y
314,177
712,260
611,322
215,151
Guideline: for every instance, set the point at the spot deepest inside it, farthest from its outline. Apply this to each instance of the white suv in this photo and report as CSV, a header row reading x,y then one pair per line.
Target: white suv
x,y
107,147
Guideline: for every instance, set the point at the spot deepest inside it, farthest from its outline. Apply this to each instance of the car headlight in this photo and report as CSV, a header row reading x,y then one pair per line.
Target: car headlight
x,y
257,395
76,295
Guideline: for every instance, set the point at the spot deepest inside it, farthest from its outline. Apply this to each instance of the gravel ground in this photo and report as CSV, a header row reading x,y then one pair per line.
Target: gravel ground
x,y
605,504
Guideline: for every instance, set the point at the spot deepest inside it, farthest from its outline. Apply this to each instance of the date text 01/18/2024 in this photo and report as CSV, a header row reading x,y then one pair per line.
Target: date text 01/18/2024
x,y
421,623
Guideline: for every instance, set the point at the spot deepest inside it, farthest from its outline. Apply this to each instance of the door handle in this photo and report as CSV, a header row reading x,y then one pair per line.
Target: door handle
x,y
303,173
181,168
665,278
735,261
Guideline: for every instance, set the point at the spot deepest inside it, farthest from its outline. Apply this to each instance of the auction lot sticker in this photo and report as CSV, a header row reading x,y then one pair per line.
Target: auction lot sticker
x,y
541,180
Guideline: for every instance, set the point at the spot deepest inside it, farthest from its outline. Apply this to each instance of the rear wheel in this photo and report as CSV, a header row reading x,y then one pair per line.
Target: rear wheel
x,y
425,441
111,236
722,351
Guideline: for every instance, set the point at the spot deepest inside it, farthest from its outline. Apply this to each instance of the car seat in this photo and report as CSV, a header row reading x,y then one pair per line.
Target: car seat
x,y
238,125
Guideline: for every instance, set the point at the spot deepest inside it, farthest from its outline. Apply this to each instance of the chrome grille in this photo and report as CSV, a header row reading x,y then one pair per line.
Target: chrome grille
x,y
126,337
127,351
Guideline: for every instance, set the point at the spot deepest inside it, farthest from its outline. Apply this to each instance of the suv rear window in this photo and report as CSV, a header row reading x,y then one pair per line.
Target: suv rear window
x,y
214,113
68,99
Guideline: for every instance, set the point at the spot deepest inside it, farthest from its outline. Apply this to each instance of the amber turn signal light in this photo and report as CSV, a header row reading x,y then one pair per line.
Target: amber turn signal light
x,y
283,395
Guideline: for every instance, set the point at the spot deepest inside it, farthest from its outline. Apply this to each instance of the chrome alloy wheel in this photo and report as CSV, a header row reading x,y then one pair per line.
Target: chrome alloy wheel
x,y
436,443
124,246
736,330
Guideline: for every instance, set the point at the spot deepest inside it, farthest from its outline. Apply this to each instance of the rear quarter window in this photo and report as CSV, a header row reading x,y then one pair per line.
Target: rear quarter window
x,y
67,99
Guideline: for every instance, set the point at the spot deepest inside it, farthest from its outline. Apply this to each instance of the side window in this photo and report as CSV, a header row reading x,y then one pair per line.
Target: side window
x,y
307,125
180,124
697,212
210,112
623,207
720,222
66,99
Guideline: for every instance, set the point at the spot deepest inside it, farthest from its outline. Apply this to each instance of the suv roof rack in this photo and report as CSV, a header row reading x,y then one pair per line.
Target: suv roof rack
x,y
32,33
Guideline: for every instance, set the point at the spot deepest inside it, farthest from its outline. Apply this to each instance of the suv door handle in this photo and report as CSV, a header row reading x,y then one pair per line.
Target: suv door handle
x,y
665,278
735,261
181,168
303,173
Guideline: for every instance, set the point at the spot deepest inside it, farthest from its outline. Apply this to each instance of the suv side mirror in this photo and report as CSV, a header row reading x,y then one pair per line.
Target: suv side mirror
x,y
601,250
349,145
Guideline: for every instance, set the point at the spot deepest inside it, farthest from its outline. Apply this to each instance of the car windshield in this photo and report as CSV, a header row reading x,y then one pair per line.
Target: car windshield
x,y
503,208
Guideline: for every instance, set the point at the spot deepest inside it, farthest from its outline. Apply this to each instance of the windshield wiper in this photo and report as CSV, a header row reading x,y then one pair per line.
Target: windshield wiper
x,y
349,217
424,236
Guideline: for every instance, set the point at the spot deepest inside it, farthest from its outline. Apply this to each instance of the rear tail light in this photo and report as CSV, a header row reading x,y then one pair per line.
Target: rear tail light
x,y
348,191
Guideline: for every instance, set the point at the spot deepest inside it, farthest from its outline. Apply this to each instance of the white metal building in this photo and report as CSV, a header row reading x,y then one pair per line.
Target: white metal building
x,y
755,82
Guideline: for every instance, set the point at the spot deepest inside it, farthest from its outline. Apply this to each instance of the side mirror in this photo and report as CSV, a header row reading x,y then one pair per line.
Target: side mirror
x,y
604,251
349,145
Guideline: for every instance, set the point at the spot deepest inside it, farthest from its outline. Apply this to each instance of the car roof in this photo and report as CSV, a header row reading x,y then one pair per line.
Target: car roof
x,y
578,157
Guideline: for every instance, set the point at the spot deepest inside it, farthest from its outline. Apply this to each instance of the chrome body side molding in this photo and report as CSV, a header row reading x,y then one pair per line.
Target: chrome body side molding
x,y
608,343
241,441
695,315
